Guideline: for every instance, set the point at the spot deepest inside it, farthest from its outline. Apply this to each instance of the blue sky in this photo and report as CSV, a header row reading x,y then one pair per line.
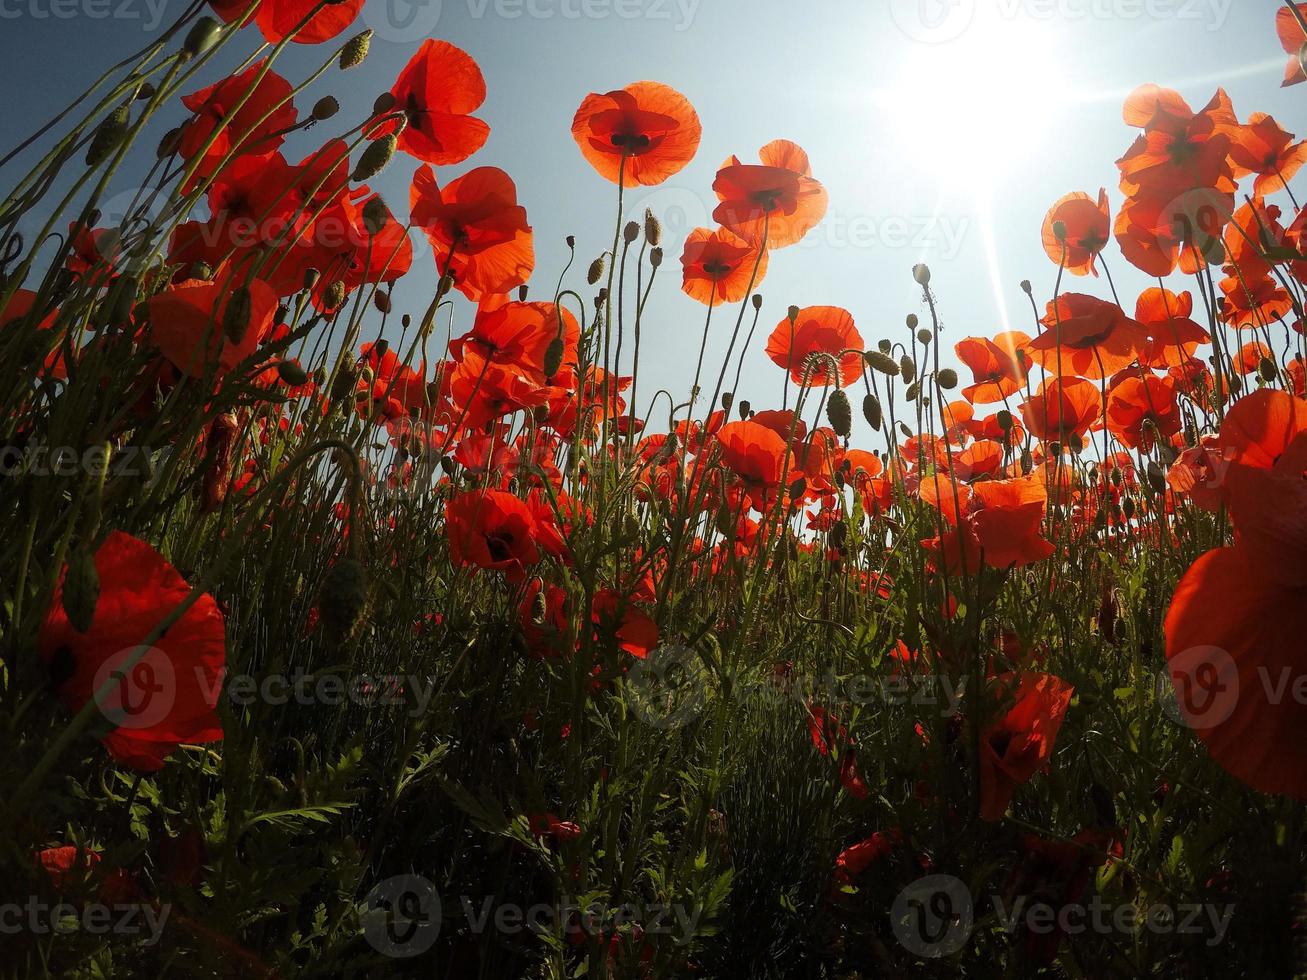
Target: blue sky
x,y
942,129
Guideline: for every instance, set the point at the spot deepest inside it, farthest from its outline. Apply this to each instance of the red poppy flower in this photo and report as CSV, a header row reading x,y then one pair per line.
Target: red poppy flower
x,y
779,194
1062,407
1261,147
1086,336
1141,408
1172,336
1157,235
186,323
519,334
1292,38
477,230
1021,742
998,371
641,134
492,529
818,330
437,91
635,630
245,128
755,453
277,19
19,306
168,692
719,266
857,858
1179,150
1252,303
1087,228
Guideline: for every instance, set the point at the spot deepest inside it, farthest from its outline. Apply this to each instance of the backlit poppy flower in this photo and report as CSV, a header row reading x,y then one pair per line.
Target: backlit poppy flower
x,y
1172,336
1259,429
492,529
1086,226
641,134
996,370
1179,150
1250,357
167,693
1157,235
477,230
344,251
1252,303
998,522
245,130
187,323
719,266
755,453
980,459
1292,38
1139,409
437,91
1062,408
778,195
519,334
1020,743
1086,336
277,19
818,330
486,390
1261,147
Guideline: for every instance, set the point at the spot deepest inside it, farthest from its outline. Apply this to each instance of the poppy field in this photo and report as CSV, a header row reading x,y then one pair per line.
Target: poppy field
x,y
343,639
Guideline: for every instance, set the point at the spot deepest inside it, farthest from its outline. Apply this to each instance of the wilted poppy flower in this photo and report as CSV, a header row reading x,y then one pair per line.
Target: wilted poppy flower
x,y
1140,409
719,266
253,108
1261,147
187,323
997,371
1086,225
277,19
641,134
492,529
1062,407
818,330
1292,38
1020,743
437,91
165,695
779,195
1086,336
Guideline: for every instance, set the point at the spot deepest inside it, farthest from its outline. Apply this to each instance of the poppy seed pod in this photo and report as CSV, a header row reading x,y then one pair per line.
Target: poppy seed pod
x,y
1156,477
355,51
554,357
924,337
381,300
948,379
745,408
571,243
793,313
912,321
871,411
656,257
374,159
1026,287
1266,370
343,600
908,367
921,273
291,373
653,229
200,37
1004,420
325,108
334,297
1059,231
522,291
596,271
383,104
375,216
879,361
884,346
631,232
839,413
81,590
107,136
236,318
728,399
757,301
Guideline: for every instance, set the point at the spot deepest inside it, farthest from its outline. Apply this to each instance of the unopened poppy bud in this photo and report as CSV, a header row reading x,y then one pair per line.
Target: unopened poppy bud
x,y
381,300
522,293
344,384
554,356
908,367
355,50
925,337
170,144
311,277
1128,508
236,318
882,362
745,408
343,600
798,487
631,232
571,242
912,321
200,37
107,136
325,108
1059,231
948,379
319,375
793,313
911,392
145,92
596,271
1156,477
757,301
921,273
334,297
539,609
656,257
446,283
375,216
383,104
374,159
202,270
1266,370
291,373
903,428
1027,462
81,590
1075,443
839,413
871,411
1025,286
653,229
728,399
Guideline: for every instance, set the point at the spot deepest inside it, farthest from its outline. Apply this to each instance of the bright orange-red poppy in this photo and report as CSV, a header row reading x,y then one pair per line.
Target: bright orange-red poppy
x,y
1061,408
641,134
1087,228
1157,234
778,195
1292,38
1172,336
437,91
719,266
186,324
1141,408
494,530
997,371
1261,147
756,454
1086,336
818,330
518,335
1179,150
1020,743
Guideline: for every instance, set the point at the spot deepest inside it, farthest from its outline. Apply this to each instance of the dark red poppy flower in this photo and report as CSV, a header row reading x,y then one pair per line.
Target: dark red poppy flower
x,y
1020,742
166,694
492,529
818,330
187,323
437,91
253,108
720,267
641,134
778,195
278,19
